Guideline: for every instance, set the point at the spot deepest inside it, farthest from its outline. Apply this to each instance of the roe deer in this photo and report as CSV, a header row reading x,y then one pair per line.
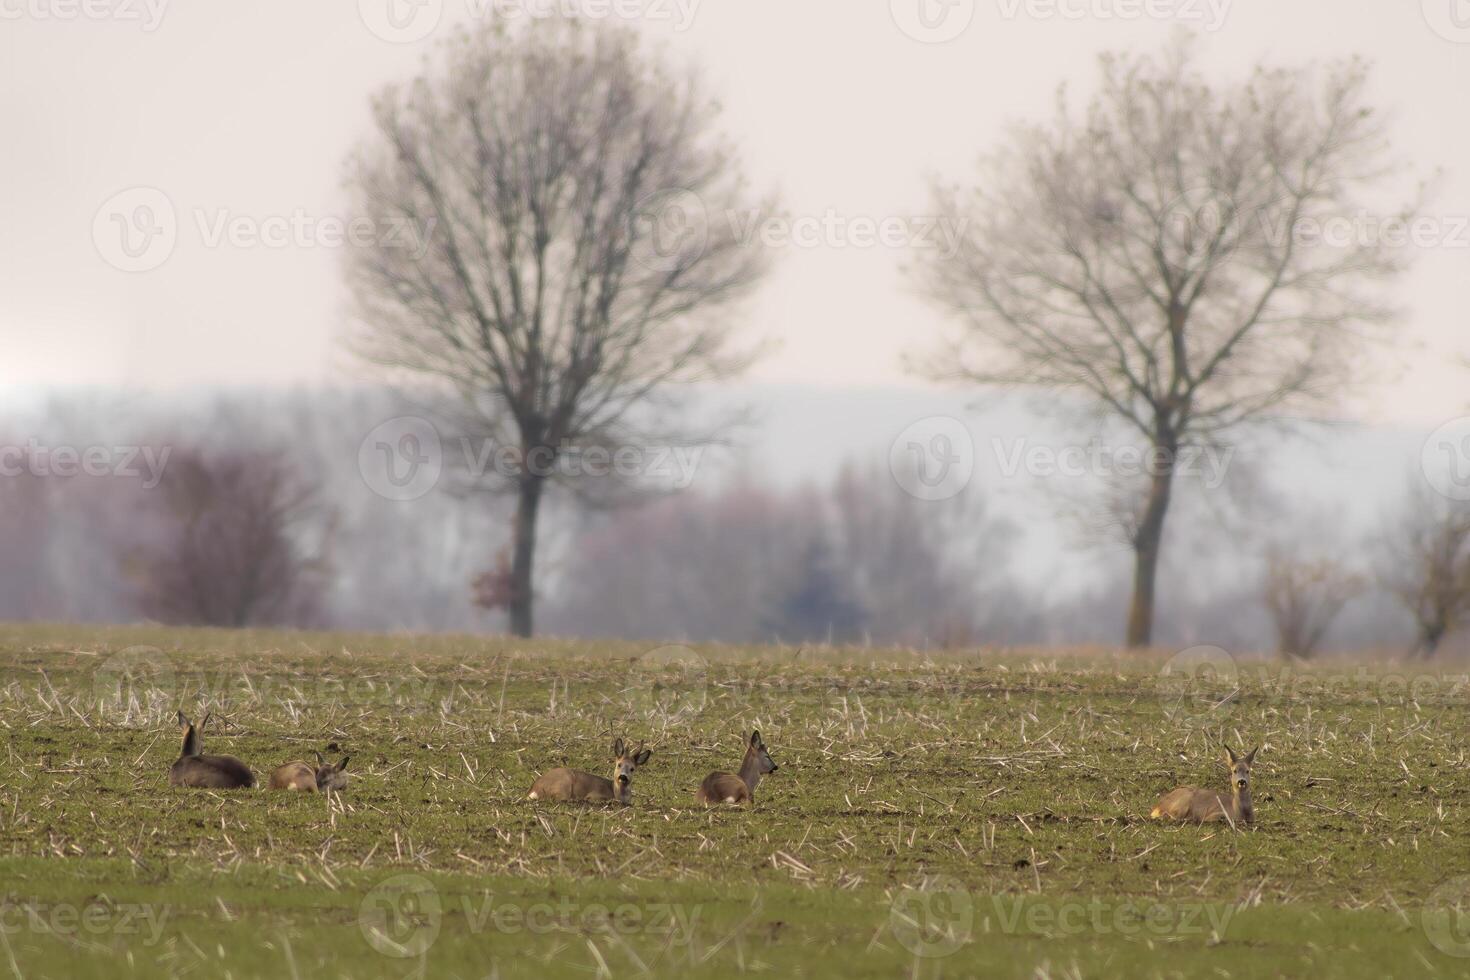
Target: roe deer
x,y
206,771
571,784
722,787
1204,805
300,776
330,778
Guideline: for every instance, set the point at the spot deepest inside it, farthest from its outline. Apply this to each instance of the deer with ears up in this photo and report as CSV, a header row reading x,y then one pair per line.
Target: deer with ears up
x,y
1205,806
206,771
723,787
572,785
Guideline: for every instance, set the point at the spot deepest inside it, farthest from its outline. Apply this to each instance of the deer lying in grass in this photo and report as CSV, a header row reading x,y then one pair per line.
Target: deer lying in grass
x,y
307,779
1204,805
206,771
567,785
722,787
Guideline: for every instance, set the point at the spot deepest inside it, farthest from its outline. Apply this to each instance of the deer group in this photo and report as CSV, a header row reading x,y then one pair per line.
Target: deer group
x,y
198,771
572,785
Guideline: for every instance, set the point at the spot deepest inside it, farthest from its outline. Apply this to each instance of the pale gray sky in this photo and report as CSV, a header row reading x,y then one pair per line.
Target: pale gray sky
x,y
244,112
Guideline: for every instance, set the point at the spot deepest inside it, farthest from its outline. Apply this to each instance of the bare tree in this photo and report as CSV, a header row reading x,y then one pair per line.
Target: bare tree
x,y
566,270
1155,257
1304,597
1427,565
232,544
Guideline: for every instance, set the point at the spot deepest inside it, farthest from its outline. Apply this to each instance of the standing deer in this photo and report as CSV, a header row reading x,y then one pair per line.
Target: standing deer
x,y
206,771
722,787
569,785
1204,806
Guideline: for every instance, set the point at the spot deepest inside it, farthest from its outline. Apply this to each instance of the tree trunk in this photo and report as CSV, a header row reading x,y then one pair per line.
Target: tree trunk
x,y
522,598
1431,636
1147,546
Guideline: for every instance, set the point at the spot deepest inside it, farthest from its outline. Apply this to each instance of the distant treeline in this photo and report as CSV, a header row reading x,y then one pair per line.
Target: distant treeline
x,y
251,508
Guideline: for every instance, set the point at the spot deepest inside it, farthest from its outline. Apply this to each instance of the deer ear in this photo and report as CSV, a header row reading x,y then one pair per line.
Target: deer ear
x,y
618,749
1230,756
1251,756
341,766
755,740
184,722
643,757
319,760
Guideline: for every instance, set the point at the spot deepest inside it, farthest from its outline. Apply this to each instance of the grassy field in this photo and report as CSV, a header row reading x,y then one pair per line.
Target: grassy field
x,y
934,815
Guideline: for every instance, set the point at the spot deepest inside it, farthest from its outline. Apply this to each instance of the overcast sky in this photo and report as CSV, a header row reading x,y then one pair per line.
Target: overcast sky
x,y
245,112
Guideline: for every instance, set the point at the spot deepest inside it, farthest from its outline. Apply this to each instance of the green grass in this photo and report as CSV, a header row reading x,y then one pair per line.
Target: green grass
x,y
934,815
